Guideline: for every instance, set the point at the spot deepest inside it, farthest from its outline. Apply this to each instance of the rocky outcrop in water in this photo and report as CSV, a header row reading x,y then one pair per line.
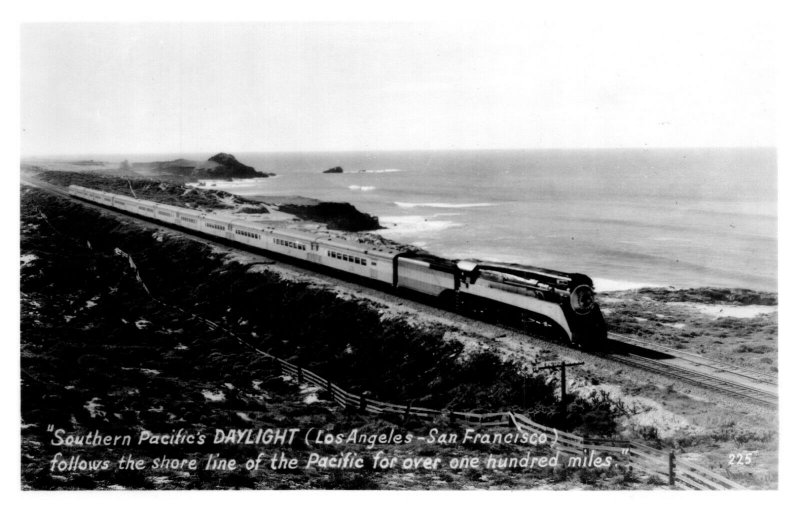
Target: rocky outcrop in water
x,y
336,215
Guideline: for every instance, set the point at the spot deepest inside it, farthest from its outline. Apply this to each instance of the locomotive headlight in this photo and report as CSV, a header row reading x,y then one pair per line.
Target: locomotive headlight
x,y
582,299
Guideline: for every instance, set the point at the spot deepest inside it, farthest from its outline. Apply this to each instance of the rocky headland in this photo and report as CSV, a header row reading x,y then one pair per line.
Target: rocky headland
x,y
221,166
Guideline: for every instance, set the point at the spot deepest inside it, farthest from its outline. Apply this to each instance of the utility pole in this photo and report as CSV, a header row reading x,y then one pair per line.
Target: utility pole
x,y
563,366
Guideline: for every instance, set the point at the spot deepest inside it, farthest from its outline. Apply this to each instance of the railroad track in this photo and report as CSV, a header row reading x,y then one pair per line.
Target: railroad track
x,y
748,373
730,380
708,381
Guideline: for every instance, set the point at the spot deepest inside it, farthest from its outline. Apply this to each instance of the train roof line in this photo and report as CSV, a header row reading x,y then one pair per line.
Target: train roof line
x,y
330,239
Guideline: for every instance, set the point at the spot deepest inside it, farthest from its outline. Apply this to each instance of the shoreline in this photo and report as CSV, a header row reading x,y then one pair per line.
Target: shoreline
x,y
302,216
440,233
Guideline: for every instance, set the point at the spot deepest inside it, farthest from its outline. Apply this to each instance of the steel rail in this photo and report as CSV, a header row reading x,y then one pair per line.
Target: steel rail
x,y
729,388
749,373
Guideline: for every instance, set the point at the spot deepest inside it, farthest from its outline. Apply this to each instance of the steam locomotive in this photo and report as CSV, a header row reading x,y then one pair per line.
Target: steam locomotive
x,y
557,303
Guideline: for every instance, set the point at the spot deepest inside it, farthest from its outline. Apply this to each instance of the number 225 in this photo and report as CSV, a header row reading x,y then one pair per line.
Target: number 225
x,y
745,458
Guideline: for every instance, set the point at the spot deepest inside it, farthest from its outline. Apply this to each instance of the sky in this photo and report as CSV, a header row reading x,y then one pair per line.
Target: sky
x,y
675,81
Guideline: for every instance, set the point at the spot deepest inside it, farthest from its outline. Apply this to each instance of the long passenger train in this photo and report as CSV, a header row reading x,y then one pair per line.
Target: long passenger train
x,y
560,303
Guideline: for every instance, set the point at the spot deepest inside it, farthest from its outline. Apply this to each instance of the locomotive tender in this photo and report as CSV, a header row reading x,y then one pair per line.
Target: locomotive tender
x,y
563,304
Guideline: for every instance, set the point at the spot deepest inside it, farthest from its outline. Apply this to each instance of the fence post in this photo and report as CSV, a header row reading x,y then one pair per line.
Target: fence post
x,y
362,407
299,375
672,468
330,388
408,411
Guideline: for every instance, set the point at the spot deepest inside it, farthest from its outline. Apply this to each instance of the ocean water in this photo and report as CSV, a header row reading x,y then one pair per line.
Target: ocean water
x,y
627,218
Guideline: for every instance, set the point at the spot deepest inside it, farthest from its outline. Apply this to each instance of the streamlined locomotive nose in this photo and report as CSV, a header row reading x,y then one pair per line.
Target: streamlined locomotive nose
x,y
582,299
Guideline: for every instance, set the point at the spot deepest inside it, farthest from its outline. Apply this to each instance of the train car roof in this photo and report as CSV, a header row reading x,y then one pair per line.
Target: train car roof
x,y
289,233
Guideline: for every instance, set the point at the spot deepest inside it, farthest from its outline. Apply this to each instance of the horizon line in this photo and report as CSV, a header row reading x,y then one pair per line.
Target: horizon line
x,y
333,151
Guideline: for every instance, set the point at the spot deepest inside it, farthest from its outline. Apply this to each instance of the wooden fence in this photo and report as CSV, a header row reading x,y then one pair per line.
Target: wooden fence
x,y
654,462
